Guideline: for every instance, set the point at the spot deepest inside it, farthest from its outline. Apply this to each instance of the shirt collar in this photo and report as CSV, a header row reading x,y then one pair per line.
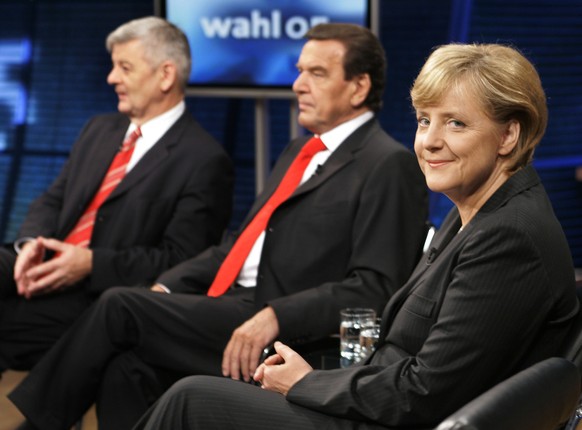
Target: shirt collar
x,y
156,127
333,138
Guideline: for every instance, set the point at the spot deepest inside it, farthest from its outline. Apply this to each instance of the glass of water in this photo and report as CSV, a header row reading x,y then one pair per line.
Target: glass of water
x,y
352,322
368,339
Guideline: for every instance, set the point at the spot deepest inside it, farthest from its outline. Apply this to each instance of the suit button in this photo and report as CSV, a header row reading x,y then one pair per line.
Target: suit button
x,y
271,229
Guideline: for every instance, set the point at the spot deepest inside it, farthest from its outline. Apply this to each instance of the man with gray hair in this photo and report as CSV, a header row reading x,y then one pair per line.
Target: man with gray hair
x,y
143,190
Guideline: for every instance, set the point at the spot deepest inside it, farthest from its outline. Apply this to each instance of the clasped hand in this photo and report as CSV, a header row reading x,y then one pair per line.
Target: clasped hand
x,y
34,276
281,371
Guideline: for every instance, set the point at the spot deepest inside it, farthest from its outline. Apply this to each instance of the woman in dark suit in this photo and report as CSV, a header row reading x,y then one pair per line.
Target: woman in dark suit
x,y
494,293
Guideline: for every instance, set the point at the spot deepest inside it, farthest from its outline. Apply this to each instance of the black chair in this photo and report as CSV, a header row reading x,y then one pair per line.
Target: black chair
x,y
541,397
572,350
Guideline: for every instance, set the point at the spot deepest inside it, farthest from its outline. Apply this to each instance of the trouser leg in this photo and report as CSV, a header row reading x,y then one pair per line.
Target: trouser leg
x,y
128,387
7,289
30,327
183,333
62,386
214,403
7,284
193,344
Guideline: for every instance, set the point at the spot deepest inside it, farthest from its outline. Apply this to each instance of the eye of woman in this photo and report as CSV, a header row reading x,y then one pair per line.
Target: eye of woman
x,y
423,121
455,123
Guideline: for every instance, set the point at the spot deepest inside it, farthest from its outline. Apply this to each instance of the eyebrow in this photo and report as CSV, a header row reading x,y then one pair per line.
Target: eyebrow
x,y
124,63
446,114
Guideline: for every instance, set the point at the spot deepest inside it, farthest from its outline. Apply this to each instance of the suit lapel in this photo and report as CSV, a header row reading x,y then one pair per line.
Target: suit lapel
x,y
275,178
100,151
335,163
340,158
102,157
442,239
152,158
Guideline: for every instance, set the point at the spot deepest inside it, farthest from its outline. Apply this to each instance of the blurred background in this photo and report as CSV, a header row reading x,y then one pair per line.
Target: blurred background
x,y
53,68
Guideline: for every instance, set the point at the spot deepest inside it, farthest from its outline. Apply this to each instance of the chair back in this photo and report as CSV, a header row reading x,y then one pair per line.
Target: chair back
x,y
541,397
572,349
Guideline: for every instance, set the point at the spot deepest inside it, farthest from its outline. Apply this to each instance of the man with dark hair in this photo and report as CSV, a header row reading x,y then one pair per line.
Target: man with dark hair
x,y
340,223
361,57
117,214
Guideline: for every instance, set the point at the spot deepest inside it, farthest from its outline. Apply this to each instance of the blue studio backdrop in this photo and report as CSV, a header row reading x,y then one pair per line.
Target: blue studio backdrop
x,y
53,66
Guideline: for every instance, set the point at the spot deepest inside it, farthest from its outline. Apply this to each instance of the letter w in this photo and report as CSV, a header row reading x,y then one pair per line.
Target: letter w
x,y
216,27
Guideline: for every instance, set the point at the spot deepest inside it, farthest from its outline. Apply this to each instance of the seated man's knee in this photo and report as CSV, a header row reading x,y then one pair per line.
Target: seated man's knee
x,y
113,307
115,295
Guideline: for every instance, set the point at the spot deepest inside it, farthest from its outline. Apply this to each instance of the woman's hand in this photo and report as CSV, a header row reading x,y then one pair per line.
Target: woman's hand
x,y
281,371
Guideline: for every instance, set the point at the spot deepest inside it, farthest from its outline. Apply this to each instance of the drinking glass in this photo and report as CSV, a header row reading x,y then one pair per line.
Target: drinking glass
x,y
368,339
353,320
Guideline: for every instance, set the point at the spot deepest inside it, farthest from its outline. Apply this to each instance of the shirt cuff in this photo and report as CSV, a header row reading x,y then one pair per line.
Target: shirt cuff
x,y
163,287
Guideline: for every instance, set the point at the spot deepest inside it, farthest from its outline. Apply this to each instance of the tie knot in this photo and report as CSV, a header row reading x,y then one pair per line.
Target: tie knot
x,y
131,139
313,146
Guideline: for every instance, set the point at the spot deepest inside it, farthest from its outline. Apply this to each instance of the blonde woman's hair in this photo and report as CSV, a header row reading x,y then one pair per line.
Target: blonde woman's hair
x,y
500,78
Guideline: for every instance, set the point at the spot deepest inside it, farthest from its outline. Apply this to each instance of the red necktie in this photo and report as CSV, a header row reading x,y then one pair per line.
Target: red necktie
x,y
81,234
242,247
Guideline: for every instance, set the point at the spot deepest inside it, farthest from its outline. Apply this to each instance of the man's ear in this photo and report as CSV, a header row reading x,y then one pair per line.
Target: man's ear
x,y
168,75
361,88
510,137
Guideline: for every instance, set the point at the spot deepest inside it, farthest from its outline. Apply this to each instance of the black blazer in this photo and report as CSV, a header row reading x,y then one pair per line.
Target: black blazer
x,y
482,304
349,236
172,205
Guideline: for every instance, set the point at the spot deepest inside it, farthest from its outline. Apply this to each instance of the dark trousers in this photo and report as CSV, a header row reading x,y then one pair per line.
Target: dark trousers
x,y
209,403
125,351
28,328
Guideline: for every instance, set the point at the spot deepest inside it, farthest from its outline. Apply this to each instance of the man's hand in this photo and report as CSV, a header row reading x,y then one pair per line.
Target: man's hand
x,y
243,351
70,264
31,255
281,371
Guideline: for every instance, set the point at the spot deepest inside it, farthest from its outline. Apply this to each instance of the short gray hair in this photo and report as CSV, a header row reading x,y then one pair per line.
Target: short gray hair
x,y
161,40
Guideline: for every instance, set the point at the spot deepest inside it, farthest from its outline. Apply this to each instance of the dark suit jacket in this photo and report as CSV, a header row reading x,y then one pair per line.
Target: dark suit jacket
x,y
349,236
481,305
172,205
